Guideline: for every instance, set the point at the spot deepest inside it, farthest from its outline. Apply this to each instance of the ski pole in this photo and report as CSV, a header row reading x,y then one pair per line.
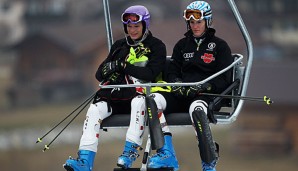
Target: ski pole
x,y
87,100
85,103
47,146
265,99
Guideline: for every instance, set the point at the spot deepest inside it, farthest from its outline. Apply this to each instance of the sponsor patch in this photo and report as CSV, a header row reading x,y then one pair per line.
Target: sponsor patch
x,y
187,56
211,46
208,58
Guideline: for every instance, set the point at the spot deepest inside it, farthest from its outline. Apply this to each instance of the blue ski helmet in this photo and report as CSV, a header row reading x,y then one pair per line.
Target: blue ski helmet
x,y
135,14
204,8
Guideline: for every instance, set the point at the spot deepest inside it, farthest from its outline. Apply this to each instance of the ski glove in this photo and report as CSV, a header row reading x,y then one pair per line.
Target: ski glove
x,y
137,59
193,91
115,78
179,91
111,67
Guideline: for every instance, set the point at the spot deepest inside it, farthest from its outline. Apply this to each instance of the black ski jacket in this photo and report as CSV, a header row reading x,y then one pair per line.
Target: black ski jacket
x,y
192,62
156,59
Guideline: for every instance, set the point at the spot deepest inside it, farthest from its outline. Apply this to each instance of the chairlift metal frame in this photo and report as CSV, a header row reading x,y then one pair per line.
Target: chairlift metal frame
x,y
245,70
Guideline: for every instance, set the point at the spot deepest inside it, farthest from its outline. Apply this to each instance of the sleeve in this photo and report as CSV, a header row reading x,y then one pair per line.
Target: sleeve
x,y
174,69
154,67
225,58
98,74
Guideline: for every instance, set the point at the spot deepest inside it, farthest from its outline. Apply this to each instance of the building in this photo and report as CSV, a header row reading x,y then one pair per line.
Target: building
x,y
57,64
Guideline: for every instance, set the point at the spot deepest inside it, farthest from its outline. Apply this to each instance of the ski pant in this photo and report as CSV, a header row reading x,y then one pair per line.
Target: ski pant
x,y
198,109
97,112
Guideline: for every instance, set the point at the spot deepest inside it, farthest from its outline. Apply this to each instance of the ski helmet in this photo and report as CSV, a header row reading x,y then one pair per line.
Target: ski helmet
x,y
135,14
199,10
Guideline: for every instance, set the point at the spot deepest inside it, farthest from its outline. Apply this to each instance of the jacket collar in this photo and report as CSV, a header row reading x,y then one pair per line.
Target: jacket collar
x,y
210,32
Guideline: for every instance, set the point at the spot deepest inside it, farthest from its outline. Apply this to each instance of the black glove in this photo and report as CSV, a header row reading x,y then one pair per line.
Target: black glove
x,y
115,78
179,91
193,91
111,67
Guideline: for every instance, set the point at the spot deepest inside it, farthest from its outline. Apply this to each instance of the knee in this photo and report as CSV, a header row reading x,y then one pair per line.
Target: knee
x,y
137,101
198,105
100,108
159,100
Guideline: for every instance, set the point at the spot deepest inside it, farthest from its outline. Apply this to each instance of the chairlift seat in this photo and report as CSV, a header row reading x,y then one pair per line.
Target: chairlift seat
x,y
220,108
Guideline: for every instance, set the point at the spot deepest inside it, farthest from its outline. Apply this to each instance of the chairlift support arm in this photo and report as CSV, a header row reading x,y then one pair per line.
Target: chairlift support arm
x,y
249,46
108,22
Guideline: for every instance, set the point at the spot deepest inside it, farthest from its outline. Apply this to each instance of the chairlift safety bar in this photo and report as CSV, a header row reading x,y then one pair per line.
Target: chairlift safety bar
x,y
236,62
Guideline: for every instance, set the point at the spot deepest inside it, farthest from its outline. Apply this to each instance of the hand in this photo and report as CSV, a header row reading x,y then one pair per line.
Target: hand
x,y
111,67
178,91
138,59
115,78
193,91
206,87
132,56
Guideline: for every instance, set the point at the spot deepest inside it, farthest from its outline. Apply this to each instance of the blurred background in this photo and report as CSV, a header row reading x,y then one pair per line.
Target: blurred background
x,y
50,51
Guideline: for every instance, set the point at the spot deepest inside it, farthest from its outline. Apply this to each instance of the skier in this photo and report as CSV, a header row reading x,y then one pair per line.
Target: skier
x,y
195,57
137,58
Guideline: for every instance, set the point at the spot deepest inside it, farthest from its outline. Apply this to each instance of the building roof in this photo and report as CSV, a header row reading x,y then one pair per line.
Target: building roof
x,y
76,38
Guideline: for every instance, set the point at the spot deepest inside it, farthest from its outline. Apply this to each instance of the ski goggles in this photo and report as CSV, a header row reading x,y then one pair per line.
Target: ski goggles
x,y
131,17
194,14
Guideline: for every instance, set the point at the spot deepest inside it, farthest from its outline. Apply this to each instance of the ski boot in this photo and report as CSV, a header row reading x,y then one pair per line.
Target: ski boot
x,y
84,162
209,166
165,156
129,155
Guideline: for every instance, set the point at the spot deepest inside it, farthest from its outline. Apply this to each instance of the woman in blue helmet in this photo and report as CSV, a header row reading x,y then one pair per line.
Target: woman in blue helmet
x,y
137,58
195,57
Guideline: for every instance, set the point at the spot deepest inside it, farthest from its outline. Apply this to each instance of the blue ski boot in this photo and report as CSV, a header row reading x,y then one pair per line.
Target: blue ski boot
x,y
84,162
129,155
165,156
209,166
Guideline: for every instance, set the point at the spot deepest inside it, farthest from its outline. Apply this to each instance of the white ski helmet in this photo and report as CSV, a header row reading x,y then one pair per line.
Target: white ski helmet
x,y
199,10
